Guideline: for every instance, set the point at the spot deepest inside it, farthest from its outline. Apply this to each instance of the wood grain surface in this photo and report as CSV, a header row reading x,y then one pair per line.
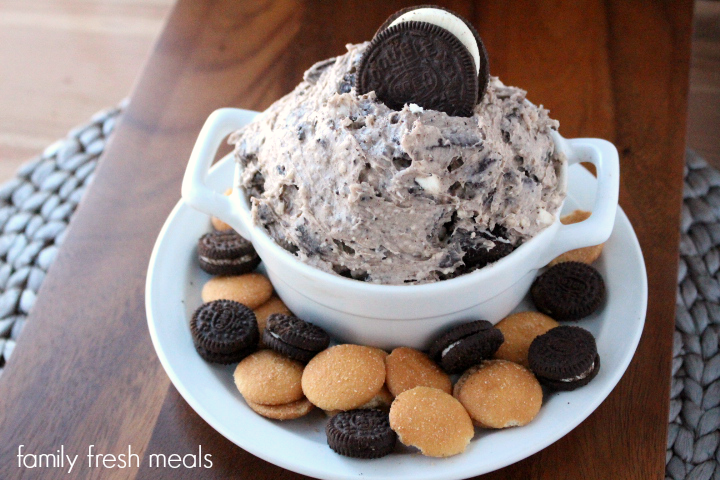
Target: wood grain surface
x,y
64,60
86,373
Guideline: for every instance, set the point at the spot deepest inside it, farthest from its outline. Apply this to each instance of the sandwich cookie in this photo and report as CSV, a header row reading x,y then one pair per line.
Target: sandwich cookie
x,y
428,57
568,291
447,19
224,331
226,253
564,358
499,394
361,434
466,345
294,338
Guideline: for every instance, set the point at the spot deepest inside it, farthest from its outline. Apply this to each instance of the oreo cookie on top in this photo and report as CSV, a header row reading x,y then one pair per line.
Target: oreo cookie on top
x,y
427,56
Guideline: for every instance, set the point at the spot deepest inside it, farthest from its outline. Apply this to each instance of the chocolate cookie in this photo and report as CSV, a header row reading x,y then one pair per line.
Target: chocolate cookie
x,y
420,63
293,337
568,291
361,434
484,75
223,358
466,345
223,328
226,253
564,358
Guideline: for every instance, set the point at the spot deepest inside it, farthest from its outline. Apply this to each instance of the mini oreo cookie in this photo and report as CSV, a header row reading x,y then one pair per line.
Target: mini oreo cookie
x,y
362,433
466,345
224,327
564,358
420,63
226,253
568,291
293,337
484,70
223,358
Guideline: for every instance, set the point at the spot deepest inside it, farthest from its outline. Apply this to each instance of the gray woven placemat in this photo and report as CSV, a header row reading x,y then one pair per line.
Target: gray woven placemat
x,y
36,206
35,209
693,435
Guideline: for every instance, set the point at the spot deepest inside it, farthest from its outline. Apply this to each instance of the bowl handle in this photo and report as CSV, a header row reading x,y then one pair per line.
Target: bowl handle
x,y
195,192
598,227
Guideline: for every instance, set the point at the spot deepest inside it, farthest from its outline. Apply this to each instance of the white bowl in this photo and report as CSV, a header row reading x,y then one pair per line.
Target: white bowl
x,y
387,316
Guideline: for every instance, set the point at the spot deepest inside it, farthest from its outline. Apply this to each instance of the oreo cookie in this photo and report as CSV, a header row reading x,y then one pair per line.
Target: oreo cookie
x,y
420,63
568,291
224,331
466,345
223,358
294,338
484,69
226,253
564,358
362,433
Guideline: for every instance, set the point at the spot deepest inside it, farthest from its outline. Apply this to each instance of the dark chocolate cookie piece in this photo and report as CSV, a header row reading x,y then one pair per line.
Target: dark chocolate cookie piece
x,y
421,63
294,338
226,253
363,433
224,327
564,358
466,345
568,291
223,358
484,71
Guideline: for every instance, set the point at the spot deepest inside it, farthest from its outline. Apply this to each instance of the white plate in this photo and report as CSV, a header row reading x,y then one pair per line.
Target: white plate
x,y
172,293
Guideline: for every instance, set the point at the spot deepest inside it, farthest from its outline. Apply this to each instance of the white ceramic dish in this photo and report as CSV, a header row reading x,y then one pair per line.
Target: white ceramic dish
x,y
390,315
173,289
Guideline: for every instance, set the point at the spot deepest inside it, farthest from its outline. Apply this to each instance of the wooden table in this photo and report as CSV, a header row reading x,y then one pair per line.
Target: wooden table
x,y
85,372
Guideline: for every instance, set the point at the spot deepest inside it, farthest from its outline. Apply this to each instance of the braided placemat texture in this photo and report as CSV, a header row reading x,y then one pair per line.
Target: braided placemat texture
x,y
693,434
35,208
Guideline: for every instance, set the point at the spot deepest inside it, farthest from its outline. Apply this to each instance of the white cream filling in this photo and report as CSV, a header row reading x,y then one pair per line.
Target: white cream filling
x,y
449,22
581,376
227,261
448,348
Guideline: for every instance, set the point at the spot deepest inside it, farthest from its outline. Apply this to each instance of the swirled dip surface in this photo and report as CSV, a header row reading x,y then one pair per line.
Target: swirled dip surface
x,y
395,197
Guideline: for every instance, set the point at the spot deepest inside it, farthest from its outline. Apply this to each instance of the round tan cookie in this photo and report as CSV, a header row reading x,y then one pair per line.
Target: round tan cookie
x,y
431,420
288,411
407,368
343,377
499,394
268,378
216,222
586,254
382,400
519,330
251,289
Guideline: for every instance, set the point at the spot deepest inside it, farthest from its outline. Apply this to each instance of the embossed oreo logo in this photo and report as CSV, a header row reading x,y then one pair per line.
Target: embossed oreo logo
x,y
421,63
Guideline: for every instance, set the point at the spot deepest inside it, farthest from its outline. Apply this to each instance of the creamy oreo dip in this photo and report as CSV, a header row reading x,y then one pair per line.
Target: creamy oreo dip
x,y
353,187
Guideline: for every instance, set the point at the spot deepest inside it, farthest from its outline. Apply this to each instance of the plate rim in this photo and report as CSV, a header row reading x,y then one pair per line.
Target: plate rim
x,y
308,468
